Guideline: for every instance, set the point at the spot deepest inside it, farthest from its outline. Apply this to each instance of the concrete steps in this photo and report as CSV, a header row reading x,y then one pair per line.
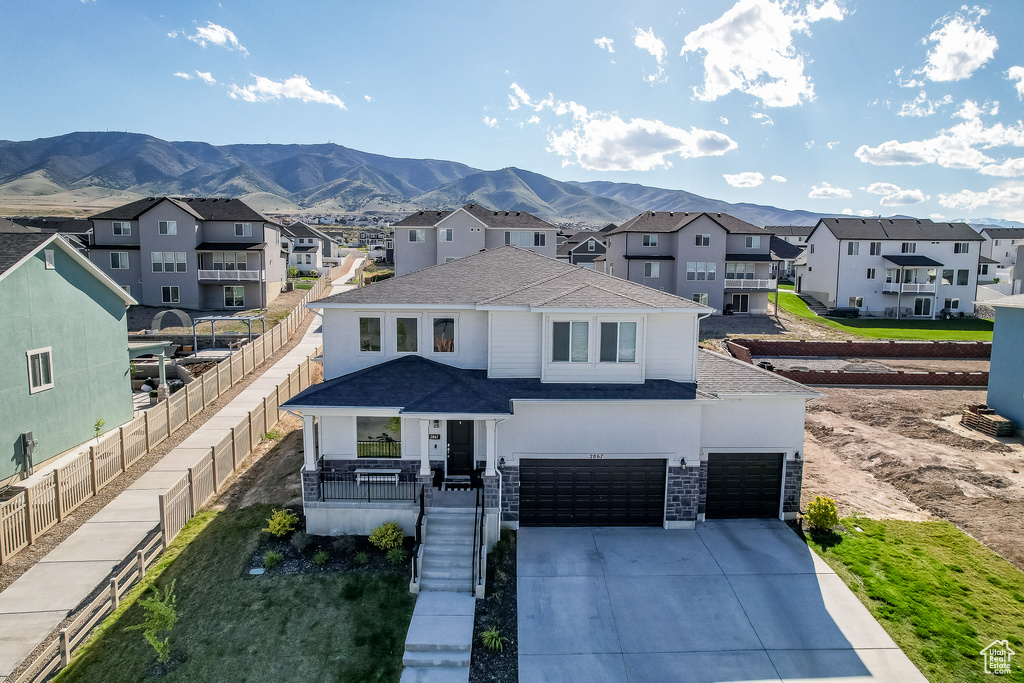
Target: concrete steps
x,y
816,306
440,639
448,551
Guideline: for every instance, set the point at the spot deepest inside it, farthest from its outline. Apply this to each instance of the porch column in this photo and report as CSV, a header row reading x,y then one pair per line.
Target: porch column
x,y
424,448
162,391
491,447
309,442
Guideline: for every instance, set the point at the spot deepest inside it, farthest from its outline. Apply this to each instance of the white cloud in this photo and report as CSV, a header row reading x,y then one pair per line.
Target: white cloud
x,y
217,35
922,106
1016,73
206,77
172,34
960,47
519,97
826,191
724,121
1007,197
937,216
763,118
745,179
368,98
809,144
750,49
908,82
893,195
1008,168
779,179
605,43
833,144
182,74
490,122
647,41
533,119
860,212
295,88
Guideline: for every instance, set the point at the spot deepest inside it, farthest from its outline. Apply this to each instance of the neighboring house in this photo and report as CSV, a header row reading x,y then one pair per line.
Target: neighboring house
x,y
193,253
897,267
372,237
308,247
999,252
1006,371
429,238
63,349
712,258
571,397
794,234
77,230
581,248
784,255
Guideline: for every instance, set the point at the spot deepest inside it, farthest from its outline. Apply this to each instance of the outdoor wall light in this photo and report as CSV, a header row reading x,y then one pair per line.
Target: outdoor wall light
x,y
437,424
501,462
796,455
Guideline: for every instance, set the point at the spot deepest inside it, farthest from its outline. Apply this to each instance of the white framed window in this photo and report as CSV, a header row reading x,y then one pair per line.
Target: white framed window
x,y
179,262
701,298
875,248
169,295
853,248
48,263
369,334
652,269
961,247
983,270
540,239
951,304
40,369
406,339
649,240
167,227
810,249
702,241
995,243
122,228
570,342
871,273
445,235
947,276
444,335
169,261
963,277
618,342
591,245
740,271
243,229
449,259
234,296
908,248
417,235
752,242
701,270
856,302
118,260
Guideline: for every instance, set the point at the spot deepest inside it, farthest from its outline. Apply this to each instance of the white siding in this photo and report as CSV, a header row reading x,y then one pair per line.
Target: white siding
x,y
771,422
338,437
592,370
515,340
671,339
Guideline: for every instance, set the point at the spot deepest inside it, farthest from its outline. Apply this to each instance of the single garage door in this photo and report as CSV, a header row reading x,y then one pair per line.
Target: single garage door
x,y
743,485
568,492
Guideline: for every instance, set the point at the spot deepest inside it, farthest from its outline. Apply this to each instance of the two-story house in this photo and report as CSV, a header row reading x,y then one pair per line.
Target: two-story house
x,y
712,258
428,238
571,397
187,252
999,252
581,248
308,247
896,267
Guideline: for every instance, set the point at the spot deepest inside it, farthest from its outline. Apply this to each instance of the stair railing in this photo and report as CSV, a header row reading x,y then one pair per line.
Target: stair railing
x,y
476,512
417,550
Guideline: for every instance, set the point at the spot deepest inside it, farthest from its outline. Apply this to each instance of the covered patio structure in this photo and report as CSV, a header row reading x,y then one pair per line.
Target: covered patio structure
x,y
214,319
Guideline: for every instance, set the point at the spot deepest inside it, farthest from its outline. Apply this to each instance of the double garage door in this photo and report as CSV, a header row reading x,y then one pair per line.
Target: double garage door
x,y
619,492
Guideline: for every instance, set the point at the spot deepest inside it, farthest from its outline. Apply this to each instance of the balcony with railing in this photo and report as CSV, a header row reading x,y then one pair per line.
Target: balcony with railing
x,y
232,275
909,287
751,284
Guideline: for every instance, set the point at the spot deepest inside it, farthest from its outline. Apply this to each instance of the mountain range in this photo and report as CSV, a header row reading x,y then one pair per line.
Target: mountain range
x,y
99,169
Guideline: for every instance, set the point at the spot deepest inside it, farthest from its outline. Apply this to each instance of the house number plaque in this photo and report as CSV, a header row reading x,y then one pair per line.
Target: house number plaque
x,y
434,437
596,456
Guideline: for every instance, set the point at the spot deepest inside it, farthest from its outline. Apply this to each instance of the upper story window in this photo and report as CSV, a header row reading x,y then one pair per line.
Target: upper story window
x,y
752,242
121,228
591,245
618,342
243,229
649,240
876,248
40,370
369,334
699,270
406,340
444,335
702,241
961,247
48,259
118,260
168,261
445,235
871,273
853,248
701,298
963,277
908,248
418,235
525,238
652,269
810,248
167,227
570,342
227,260
740,271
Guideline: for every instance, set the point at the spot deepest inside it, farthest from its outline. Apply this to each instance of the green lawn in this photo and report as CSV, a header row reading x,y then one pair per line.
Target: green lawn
x,y
940,594
970,329
232,626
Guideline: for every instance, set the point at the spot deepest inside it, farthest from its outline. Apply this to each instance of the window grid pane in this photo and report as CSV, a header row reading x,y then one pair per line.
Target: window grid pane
x,y
369,334
560,342
579,342
627,342
405,335
609,342
444,335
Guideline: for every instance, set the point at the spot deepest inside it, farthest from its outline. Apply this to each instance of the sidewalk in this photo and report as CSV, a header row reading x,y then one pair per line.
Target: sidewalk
x,y
43,596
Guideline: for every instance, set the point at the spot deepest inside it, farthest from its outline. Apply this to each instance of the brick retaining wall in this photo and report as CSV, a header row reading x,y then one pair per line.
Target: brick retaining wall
x,y
745,348
894,379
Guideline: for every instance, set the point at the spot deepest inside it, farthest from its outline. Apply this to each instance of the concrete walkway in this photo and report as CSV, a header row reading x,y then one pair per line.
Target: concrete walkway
x,y
733,600
440,639
43,596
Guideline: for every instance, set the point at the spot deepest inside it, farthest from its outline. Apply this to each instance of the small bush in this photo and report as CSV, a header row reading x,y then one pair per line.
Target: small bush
x,y
293,272
271,559
822,513
344,544
281,523
161,615
301,540
396,556
272,435
493,640
321,558
312,273
362,558
387,536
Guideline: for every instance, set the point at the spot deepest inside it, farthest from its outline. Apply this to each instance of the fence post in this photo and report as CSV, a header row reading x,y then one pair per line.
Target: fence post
x,y
188,407
145,419
124,450
162,505
191,494
114,597
58,496
65,648
93,472
213,468
234,452
167,402
140,563
29,523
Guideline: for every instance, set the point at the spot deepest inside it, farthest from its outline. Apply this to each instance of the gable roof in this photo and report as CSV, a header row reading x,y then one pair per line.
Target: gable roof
x,y
673,221
719,375
783,249
898,229
578,241
74,226
1012,301
997,233
508,277
790,230
512,220
17,248
203,208
300,229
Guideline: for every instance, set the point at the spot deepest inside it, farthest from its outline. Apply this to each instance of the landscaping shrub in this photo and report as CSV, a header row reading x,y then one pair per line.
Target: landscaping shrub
x,y
161,616
493,640
822,513
344,544
396,556
362,558
271,559
387,536
301,540
271,435
321,558
281,523
293,272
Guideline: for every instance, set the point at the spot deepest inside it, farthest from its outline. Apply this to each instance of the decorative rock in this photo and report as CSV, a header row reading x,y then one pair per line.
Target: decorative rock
x,y
258,571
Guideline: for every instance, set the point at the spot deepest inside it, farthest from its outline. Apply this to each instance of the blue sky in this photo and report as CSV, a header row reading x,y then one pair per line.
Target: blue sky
x,y
870,107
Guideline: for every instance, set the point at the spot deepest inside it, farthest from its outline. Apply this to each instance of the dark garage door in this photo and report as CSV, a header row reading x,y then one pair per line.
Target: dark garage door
x,y
591,492
743,485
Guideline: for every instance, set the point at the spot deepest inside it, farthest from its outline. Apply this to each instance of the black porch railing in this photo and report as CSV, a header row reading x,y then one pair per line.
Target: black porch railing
x,y
379,449
343,486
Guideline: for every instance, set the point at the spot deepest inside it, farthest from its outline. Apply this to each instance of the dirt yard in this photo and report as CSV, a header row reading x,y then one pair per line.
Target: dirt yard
x,y
141,317
902,454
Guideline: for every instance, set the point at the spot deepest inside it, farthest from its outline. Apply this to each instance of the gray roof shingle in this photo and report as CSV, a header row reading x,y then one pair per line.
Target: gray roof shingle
x,y
789,230
996,233
203,208
719,375
15,246
672,221
898,229
513,220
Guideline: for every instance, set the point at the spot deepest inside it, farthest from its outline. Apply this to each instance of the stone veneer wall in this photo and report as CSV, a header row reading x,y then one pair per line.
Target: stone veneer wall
x,y
791,486
510,494
490,492
683,493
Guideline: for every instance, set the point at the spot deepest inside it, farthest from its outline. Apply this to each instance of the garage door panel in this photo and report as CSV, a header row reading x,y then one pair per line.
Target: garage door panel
x,y
743,485
573,492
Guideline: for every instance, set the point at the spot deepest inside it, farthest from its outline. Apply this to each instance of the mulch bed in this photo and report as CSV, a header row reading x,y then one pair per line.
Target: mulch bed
x,y
498,610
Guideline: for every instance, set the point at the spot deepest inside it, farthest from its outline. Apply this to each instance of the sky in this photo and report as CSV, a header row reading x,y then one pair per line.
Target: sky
x,y
867,107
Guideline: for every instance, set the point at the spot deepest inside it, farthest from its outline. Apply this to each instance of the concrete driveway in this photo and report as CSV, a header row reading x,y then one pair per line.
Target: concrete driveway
x,y
737,600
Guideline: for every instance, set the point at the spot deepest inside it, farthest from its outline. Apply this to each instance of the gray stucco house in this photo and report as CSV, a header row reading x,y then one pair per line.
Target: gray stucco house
x,y
1006,372
188,252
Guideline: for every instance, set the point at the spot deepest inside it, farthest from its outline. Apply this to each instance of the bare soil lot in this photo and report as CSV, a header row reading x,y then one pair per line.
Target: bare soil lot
x,y
141,317
902,454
